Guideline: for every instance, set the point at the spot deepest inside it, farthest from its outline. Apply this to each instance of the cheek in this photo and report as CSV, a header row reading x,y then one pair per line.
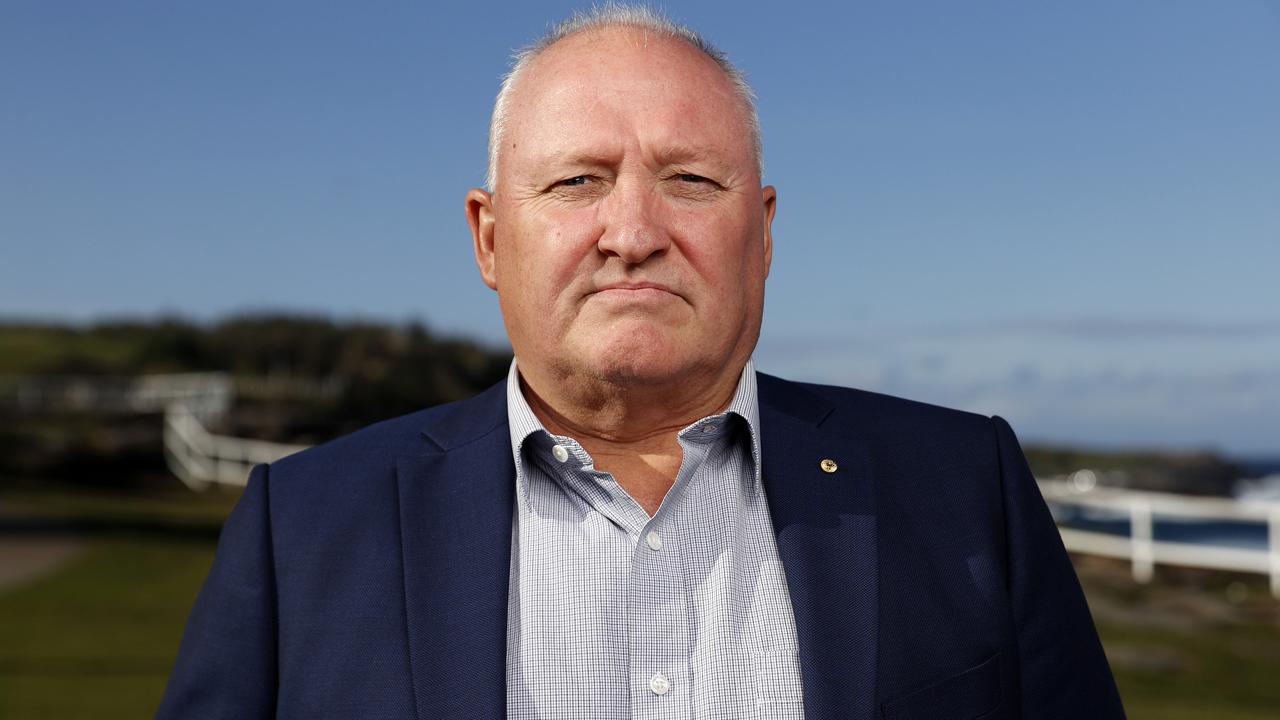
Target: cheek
x,y
724,255
543,264
564,237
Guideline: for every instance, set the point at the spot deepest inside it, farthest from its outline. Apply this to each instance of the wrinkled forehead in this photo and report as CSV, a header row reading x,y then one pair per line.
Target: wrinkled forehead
x,y
609,82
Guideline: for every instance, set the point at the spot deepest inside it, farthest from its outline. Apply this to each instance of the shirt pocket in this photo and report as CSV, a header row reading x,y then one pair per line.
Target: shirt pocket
x,y
969,695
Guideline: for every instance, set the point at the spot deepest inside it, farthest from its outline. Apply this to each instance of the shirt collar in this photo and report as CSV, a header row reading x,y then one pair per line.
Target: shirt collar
x,y
524,423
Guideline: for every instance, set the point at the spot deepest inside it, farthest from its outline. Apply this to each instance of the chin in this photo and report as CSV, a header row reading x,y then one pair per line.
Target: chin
x,y
639,358
637,367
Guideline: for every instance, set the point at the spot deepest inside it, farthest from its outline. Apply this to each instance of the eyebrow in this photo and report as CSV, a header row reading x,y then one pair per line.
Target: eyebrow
x,y
668,156
579,159
681,154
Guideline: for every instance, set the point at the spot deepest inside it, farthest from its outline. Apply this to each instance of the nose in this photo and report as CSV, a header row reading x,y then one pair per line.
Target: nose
x,y
632,230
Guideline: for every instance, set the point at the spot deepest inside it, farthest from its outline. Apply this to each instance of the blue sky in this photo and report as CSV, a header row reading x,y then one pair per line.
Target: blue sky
x,y
1066,214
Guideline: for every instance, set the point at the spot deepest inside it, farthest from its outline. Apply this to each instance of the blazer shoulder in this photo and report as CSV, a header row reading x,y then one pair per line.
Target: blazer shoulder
x,y
864,402
885,421
375,449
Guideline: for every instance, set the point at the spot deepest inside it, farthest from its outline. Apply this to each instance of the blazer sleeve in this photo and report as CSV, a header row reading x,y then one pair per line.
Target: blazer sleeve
x,y
1063,671
226,666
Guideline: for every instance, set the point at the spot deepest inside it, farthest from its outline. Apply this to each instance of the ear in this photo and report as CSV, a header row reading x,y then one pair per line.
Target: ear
x,y
480,218
769,195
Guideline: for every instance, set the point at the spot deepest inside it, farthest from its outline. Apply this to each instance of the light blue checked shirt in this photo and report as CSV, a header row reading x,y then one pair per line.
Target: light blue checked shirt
x,y
614,614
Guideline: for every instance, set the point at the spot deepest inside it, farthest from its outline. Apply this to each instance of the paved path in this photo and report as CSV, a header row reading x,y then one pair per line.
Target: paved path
x,y
27,555
26,558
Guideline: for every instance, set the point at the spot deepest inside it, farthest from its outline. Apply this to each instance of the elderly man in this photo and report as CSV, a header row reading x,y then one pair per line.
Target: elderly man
x,y
636,524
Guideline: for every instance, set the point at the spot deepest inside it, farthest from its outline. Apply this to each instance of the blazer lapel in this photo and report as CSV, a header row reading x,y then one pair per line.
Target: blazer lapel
x,y
456,504
826,532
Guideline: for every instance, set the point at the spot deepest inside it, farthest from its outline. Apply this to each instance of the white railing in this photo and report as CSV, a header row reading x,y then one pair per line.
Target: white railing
x,y
200,458
1143,509
189,401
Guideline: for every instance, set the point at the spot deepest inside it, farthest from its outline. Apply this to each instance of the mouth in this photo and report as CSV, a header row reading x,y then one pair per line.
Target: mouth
x,y
636,291
634,286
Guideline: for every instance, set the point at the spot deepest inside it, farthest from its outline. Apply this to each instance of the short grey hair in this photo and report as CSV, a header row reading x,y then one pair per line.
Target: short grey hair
x,y
612,14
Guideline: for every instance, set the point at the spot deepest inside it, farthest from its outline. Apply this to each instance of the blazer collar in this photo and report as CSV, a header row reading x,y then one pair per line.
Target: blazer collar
x,y
825,524
457,424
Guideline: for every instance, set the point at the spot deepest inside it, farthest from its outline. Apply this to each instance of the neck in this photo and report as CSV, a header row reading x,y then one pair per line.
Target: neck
x,y
630,432
620,416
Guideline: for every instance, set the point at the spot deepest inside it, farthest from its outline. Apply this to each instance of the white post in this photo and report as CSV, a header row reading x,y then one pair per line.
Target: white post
x,y
1273,549
1140,536
180,449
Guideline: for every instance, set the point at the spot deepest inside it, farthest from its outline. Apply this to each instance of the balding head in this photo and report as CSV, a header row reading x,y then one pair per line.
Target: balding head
x,y
649,23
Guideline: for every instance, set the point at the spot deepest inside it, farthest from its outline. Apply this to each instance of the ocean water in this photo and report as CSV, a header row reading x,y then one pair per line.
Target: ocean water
x,y
1260,484
1221,533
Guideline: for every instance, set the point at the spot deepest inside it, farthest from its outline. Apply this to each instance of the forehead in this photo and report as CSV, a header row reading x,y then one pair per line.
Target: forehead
x,y
610,88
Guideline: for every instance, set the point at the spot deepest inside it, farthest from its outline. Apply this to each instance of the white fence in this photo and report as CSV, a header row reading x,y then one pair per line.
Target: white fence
x,y
1144,509
200,458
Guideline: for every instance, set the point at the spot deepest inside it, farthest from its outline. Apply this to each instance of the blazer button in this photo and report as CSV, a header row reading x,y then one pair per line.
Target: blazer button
x,y
828,465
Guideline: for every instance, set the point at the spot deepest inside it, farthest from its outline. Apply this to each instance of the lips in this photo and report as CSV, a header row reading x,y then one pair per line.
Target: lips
x,y
637,291
636,286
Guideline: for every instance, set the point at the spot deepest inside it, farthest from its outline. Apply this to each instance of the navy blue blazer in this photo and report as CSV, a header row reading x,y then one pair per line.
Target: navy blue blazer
x,y
367,577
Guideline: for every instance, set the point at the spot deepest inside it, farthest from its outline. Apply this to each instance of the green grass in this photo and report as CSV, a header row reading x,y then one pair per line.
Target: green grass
x,y
1180,649
33,348
1220,673
177,511
98,637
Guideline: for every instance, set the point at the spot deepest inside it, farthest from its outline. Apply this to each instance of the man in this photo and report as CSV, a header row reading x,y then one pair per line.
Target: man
x,y
636,524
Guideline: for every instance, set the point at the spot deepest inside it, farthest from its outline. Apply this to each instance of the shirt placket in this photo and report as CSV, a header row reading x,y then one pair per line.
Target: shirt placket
x,y
658,620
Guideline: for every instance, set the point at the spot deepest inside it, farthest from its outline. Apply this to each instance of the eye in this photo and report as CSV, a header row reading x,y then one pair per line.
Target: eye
x,y
692,186
578,188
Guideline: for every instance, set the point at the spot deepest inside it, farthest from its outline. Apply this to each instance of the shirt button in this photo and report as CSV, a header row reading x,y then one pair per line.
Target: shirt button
x,y
560,452
659,684
653,540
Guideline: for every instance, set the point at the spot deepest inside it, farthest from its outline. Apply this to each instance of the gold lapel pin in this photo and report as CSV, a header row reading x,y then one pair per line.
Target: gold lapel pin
x,y
828,465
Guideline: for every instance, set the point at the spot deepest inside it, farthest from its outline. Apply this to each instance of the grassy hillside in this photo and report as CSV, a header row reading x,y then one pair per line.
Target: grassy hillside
x,y
298,379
